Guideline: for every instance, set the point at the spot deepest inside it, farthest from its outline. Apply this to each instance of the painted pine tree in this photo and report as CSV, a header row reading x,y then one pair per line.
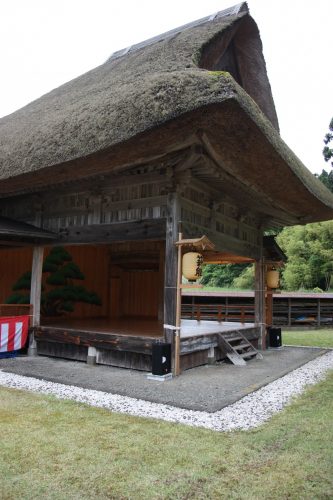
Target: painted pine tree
x,y
60,291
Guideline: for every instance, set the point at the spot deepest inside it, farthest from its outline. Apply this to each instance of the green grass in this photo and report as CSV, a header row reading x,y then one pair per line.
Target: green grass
x,y
53,449
315,338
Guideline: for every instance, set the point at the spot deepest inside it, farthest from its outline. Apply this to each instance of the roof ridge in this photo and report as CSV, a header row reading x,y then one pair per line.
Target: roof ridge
x,y
230,11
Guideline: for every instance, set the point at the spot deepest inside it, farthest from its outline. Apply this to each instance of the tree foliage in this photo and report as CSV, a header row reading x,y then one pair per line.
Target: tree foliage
x,y
60,292
310,256
246,279
218,275
326,178
327,151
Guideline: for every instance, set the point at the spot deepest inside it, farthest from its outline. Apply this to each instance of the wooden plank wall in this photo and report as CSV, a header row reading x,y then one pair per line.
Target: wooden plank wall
x,y
13,263
123,291
92,260
140,293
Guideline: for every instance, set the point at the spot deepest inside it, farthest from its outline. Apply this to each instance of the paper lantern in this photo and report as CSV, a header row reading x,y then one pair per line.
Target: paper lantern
x,y
273,278
192,266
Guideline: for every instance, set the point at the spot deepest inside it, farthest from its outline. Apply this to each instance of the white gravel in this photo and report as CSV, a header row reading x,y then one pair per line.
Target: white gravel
x,y
247,413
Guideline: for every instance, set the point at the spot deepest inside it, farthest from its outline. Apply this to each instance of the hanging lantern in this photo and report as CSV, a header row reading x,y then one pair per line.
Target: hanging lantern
x,y
273,278
192,266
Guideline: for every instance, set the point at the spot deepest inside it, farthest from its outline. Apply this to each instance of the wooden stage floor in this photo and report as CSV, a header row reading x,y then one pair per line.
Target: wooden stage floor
x,y
138,327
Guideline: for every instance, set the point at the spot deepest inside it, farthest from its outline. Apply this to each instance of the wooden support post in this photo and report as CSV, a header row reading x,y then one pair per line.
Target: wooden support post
x,y
161,266
178,308
318,313
35,295
269,307
219,313
242,315
259,302
289,312
171,267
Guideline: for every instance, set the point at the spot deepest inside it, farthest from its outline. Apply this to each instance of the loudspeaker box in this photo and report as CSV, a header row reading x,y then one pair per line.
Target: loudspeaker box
x,y
161,358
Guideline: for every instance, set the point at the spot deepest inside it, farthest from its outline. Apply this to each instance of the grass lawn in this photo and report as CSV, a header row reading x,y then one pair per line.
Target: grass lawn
x,y
53,449
318,338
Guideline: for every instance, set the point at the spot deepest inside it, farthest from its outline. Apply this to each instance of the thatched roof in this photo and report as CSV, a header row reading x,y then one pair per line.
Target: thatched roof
x,y
152,98
129,94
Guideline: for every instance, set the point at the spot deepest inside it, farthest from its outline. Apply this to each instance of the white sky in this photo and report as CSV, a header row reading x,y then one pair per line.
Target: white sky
x,y
45,43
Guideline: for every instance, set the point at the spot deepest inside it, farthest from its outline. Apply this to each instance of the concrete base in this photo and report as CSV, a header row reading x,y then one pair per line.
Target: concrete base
x,y
91,360
211,360
92,354
32,351
159,378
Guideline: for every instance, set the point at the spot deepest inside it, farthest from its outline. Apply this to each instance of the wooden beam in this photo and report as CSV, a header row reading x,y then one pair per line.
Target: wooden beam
x,y
95,339
223,241
244,193
145,229
171,262
225,258
35,294
161,267
201,243
259,301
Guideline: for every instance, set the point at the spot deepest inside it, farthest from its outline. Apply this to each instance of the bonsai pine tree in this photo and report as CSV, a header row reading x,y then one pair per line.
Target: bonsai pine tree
x,y
21,290
60,292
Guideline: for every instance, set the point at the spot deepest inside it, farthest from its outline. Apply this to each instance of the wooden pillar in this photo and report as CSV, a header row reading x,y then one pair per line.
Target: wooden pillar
x,y
35,295
269,307
161,268
171,264
259,302
318,313
289,312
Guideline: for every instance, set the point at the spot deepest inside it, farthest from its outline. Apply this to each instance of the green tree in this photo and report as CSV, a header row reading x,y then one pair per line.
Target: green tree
x,y
246,279
60,292
327,151
309,250
326,178
220,275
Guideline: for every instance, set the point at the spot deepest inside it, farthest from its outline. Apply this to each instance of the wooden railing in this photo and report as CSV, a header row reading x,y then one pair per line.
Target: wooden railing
x,y
219,312
289,309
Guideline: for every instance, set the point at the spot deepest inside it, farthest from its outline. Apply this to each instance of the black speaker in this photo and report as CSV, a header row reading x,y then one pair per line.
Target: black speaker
x,y
275,337
161,359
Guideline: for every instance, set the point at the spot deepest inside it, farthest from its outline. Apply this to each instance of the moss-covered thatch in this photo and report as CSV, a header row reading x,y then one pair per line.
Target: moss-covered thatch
x,y
144,101
115,101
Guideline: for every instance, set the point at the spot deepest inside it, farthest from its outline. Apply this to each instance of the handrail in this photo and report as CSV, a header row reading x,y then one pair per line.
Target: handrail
x,y
219,312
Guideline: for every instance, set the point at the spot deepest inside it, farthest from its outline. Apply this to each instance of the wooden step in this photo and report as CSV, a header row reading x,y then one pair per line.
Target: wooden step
x,y
233,339
248,354
242,345
236,359
227,345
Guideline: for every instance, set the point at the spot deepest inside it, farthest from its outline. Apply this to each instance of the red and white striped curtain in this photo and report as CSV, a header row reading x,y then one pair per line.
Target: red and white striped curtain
x,y
13,333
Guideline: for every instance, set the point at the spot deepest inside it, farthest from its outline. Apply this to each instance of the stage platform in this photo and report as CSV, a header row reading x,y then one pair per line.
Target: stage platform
x,y
139,327
127,342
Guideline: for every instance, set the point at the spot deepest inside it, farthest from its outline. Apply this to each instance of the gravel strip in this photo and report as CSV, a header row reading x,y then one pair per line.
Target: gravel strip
x,y
247,413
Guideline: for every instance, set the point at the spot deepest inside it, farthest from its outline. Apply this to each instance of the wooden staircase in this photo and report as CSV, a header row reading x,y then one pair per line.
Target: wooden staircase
x,y
237,348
